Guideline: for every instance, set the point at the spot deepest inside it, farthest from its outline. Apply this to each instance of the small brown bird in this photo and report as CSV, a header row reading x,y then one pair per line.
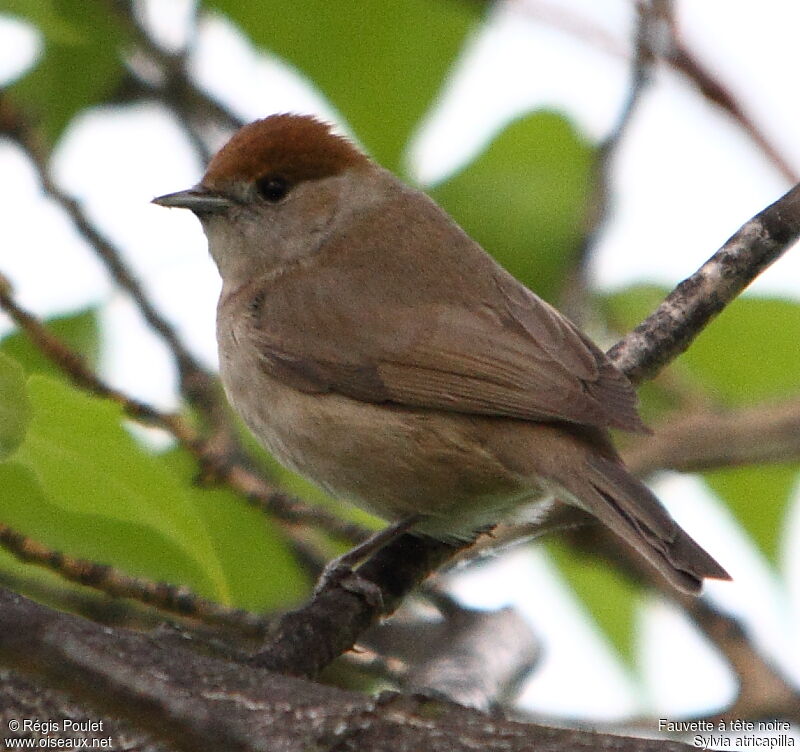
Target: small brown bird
x,y
375,348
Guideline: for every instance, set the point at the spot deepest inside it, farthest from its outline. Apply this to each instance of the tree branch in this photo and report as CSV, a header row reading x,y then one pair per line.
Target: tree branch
x,y
21,698
105,579
696,301
194,702
574,298
683,59
678,56
693,442
196,382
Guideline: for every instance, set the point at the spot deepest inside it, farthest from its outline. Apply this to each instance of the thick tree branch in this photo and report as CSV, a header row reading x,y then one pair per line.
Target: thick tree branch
x,y
192,702
22,699
305,641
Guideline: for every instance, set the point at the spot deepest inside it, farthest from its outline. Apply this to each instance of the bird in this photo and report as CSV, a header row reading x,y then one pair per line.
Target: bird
x,y
376,349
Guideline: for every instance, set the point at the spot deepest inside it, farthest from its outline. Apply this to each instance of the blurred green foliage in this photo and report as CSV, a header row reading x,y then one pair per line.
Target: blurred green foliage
x,y
524,199
380,64
81,63
73,477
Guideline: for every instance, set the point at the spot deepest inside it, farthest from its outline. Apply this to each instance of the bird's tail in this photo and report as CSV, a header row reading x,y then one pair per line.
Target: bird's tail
x,y
625,505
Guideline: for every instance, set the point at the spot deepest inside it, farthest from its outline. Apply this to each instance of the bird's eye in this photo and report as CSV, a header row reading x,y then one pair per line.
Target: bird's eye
x,y
272,188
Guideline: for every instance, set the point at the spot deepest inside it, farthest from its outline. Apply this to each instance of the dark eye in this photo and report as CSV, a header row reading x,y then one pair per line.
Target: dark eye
x,y
272,188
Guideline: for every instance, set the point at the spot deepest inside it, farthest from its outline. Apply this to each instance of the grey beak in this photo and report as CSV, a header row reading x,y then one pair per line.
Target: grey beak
x,y
198,199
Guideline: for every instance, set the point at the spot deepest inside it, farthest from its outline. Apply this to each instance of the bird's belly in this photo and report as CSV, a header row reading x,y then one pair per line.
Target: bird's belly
x,y
391,461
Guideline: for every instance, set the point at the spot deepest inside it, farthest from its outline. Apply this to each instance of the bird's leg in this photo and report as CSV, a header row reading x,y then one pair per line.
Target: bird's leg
x,y
340,570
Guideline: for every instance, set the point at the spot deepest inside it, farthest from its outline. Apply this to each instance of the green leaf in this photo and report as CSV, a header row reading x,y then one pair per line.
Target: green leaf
x,y
259,567
524,199
137,550
81,64
44,15
88,464
380,64
78,331
610,598
759,497
750,353
15,409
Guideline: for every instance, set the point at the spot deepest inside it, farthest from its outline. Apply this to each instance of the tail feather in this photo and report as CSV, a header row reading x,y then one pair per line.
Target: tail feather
x,y
632,511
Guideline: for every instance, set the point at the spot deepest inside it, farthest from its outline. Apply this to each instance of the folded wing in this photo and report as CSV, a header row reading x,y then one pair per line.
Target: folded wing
x,y
505,353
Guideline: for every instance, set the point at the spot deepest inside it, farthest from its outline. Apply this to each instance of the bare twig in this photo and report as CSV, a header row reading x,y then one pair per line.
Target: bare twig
x,y
574,297
677,55
74,366
196,111
171,598
714,90
196,383
690,442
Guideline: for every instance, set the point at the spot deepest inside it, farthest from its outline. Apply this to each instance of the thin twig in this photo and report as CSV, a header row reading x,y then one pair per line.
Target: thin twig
x,y
196,383
106,579
76,368
574,298
692,442
714,90
195,110
678,56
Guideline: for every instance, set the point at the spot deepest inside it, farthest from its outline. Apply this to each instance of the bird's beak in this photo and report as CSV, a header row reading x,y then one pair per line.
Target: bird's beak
x,y
200,200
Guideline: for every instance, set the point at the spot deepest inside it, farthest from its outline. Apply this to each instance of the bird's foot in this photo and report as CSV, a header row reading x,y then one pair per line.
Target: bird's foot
x,y
340,573
341,570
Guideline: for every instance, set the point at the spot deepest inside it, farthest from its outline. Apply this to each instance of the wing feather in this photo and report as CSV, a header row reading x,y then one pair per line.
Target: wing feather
x,y
465,336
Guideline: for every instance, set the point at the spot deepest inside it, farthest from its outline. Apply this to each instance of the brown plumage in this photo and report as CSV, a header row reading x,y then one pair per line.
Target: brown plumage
x,y
376,348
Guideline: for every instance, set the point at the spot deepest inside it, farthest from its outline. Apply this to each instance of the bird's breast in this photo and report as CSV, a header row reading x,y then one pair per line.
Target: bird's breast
x,y
389,460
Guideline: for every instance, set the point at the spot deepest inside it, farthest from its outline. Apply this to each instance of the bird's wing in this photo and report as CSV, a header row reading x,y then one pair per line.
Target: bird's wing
x,y
510,354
